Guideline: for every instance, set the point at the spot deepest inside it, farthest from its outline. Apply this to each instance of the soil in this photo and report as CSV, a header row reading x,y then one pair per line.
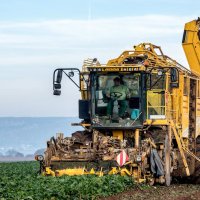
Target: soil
x,y
173,192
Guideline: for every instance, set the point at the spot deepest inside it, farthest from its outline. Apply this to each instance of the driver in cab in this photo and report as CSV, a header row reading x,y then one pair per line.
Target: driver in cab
x,y
117,92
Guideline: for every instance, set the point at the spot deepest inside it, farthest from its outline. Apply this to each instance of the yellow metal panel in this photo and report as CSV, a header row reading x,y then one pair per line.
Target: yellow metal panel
x,y
191,45
48,171
118,134
137,137
70,172
156,122
155,102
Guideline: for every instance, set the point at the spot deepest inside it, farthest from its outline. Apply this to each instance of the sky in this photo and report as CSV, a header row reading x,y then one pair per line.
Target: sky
x,y
38,36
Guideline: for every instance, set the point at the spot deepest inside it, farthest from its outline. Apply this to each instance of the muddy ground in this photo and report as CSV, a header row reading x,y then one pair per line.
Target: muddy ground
x,y
173,192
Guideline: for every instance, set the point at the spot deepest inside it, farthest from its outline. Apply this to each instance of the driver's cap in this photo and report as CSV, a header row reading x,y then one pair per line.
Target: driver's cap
x,y
117,79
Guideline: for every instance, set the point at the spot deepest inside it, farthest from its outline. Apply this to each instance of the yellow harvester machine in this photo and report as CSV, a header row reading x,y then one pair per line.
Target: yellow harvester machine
x,y
159,136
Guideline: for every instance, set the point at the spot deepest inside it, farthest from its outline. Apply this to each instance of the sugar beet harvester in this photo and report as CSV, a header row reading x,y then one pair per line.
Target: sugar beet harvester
x,y
145,123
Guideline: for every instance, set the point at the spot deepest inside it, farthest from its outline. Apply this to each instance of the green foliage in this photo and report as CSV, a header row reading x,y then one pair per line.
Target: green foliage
x,y
20,181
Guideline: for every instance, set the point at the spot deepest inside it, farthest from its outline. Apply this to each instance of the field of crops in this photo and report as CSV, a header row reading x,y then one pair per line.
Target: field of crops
x,y
20,181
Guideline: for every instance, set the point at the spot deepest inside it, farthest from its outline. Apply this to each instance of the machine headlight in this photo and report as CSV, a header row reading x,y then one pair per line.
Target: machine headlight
x,y
39,158
138,158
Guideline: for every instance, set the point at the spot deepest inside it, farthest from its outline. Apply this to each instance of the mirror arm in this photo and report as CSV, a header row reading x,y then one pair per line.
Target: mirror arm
x,y
71,79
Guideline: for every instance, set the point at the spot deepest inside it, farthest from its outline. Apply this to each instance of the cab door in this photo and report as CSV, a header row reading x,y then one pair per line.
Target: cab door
x,y
156,89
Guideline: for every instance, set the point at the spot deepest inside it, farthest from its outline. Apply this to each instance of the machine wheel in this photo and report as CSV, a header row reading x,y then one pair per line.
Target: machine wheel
x,y
168,157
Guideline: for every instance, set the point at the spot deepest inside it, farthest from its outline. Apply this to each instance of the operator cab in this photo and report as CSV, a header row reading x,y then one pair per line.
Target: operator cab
x,y
114,107
139,96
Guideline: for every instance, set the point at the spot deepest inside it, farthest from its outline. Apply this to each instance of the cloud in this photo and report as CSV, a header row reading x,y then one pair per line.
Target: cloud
x,y
30,51
37,41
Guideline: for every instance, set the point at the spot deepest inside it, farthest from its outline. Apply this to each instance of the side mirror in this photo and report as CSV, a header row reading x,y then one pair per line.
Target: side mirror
x,y
57,85
57,92
174,75
59,76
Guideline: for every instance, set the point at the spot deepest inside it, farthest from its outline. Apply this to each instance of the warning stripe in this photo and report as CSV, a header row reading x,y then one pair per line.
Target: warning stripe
x,y
122,158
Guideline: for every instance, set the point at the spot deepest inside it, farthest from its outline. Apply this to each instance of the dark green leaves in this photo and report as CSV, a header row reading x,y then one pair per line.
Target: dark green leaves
x,y
20,181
